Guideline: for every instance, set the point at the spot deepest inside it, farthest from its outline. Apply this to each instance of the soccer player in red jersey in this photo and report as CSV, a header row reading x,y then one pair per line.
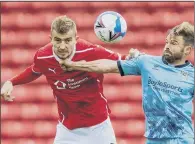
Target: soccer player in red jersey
x,y
82,107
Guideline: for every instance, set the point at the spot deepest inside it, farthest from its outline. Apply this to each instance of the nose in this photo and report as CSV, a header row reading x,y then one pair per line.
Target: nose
x,y
63,45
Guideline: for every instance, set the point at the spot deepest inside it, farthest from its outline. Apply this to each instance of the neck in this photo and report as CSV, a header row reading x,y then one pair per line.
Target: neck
x,y
178,62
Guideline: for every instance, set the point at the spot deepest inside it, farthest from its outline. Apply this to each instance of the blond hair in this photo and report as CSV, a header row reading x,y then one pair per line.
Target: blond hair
x,y
62,24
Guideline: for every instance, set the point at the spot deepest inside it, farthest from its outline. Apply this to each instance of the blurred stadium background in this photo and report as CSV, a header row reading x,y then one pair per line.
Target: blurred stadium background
x,y
25,27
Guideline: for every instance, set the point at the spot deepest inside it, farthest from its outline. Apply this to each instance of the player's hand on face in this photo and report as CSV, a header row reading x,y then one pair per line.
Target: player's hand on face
x,y
66,65
133,53
6,91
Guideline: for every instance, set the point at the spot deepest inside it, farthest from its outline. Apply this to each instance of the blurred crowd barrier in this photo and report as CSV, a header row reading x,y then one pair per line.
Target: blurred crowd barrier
x,y
25,27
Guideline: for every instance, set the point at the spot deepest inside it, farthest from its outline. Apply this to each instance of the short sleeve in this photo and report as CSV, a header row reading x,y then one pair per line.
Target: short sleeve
x,y
130,67
35,66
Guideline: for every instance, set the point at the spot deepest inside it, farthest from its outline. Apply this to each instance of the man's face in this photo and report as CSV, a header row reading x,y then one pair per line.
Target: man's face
x,y
63,44
174,48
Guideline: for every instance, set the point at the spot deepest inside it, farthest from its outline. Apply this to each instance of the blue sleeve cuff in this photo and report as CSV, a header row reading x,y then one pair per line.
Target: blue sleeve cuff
x,y
120,68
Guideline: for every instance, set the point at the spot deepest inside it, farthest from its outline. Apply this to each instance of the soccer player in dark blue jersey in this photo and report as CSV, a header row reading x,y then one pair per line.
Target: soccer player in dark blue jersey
x,y
167,84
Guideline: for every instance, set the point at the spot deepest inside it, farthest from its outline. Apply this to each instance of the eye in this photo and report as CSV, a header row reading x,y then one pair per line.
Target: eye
x,y
174,43
57,39
68,40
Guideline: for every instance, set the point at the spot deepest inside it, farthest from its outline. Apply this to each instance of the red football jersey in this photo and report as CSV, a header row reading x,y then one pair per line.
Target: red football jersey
x,y
80,98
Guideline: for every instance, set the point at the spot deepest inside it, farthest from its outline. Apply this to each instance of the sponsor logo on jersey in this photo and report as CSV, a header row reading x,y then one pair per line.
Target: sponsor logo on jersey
x,y
53,70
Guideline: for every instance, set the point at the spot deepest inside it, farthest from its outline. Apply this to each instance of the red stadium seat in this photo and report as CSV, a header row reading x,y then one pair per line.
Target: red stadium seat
x,y
28,128
10,111
15,38
117,79
46,5
74,5
41,93
183,5
127,92
33,38
16,5
22,20
27,141
161,4
131,140
126,110
48,18
135,128
39,111
8,73
98,5
8,20
129,127
80,20
187,14
44,129
38,38
154,37
15,56
18,128
132,5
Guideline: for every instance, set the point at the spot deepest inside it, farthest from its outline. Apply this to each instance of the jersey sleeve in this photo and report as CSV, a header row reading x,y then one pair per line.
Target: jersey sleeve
x,y
28,75
35,66
103,53
130,67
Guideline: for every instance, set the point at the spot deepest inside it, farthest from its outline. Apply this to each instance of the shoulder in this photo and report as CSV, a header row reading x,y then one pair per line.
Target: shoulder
x,y
147,57
190,68
45,52
85,46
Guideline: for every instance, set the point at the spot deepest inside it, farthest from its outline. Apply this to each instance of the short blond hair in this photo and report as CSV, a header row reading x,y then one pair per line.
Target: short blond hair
x,y
62,24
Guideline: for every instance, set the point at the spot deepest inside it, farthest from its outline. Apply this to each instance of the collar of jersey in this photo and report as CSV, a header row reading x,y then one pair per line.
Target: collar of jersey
x,y
71,56
177,66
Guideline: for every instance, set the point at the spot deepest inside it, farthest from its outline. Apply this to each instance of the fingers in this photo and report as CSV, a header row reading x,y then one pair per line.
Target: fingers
x,y
6,91
133,53
63,67
7,97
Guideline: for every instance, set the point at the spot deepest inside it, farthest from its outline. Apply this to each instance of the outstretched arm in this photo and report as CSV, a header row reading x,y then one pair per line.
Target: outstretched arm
x,y
26,76
99,66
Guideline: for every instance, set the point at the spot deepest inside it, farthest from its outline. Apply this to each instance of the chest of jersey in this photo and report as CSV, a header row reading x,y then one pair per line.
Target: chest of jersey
x,y
173,84
63,80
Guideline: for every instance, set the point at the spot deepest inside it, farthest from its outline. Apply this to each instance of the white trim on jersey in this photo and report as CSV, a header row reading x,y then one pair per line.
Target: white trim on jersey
x,y
106,102
35,71
84,50
63,117
119,56
44,57
104,99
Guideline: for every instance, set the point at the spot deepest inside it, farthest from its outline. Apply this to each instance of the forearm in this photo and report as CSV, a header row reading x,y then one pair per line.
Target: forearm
x,y
99,66
25,77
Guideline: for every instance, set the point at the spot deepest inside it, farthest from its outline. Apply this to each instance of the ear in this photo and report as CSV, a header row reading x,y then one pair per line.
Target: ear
x,y
187,50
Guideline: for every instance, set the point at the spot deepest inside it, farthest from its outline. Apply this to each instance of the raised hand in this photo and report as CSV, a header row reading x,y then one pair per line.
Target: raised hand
x,y
6,91
133,53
